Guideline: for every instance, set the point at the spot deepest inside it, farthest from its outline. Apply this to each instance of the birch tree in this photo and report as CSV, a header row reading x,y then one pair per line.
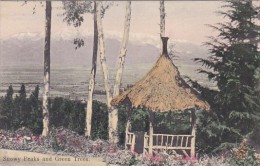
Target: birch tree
x,y
119,74
101,48
103,63
74,16
162,21
46,79
74,11
92,77
113,112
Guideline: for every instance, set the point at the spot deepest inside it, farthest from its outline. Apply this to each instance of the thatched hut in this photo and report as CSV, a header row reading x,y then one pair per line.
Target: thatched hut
x,y
161,90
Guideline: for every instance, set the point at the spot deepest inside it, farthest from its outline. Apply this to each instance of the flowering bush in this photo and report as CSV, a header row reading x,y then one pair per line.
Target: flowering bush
x,y
153,160
213,160
66,142
17,140
61,141
121,157
124,157
99,147
172,160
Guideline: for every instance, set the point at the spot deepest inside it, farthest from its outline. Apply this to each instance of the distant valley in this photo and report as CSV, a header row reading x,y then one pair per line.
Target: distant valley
x,y
21,61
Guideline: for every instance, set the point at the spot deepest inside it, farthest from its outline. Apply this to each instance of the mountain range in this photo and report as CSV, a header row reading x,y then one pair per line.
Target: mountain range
x,y
27,49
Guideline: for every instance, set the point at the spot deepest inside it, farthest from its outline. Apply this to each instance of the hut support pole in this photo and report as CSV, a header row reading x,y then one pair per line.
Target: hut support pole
x,y
151,119
193,132
128,123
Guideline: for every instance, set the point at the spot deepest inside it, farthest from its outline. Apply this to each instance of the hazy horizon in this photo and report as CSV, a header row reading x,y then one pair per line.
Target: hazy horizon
x,y
185,20
185,25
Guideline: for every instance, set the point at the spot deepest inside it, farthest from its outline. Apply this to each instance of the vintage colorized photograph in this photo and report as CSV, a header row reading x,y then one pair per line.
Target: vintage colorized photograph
x,y
143,83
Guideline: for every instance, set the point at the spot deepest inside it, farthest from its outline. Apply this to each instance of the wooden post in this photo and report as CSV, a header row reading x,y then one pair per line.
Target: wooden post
x,y
133,144
193,132
128,123
145,144
151,118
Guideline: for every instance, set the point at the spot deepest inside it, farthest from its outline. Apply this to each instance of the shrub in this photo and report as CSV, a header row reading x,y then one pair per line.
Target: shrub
x,y
121,157
243,155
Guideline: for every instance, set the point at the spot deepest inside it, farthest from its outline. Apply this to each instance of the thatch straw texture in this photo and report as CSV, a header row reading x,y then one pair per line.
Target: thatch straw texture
x,y
162,89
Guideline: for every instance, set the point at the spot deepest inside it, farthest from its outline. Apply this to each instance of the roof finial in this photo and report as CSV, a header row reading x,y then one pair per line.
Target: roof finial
x,y
164,46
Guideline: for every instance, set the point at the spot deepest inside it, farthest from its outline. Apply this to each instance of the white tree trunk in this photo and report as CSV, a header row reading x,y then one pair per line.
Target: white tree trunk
x,y
113,112
162,21
121,62
92,78
122,54
101,47
46,79
193,133
104,68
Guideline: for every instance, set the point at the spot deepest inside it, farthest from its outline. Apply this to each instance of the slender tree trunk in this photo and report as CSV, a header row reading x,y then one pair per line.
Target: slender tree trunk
x,y
92,77
101,48
46,79
112,112
193,133
151,124
121,62
162,21
122,54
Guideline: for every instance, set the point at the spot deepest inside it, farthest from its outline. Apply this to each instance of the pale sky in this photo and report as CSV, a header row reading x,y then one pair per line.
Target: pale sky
x,y
185,20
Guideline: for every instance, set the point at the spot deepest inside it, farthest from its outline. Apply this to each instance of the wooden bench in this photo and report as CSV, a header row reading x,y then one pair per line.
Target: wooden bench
x,y
167,142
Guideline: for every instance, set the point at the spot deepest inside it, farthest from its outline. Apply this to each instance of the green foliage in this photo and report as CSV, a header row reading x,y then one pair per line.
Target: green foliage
x,y
7,108
139,120
234,66
59,112
133,161
77,117
35,117
172,122
243,156
68,114
27,112
165,123
73,15
20,111
121,124
1,109
22,108
99,127
256,135
207,132
54,144
74,12
71,114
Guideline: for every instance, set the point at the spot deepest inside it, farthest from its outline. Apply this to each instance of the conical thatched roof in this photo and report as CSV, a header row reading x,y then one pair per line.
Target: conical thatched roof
x,y
162,89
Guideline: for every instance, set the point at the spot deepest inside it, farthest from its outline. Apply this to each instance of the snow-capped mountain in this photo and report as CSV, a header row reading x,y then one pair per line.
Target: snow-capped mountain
x,y
27,49
27,36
